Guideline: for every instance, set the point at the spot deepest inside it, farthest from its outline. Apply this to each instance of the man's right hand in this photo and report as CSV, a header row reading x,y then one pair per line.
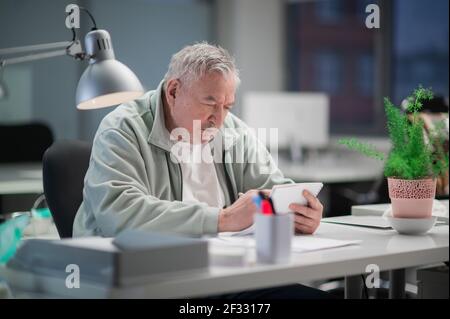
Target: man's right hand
x,y
239,215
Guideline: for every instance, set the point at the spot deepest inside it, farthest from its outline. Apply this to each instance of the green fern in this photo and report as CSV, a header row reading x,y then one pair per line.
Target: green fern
x,y
410,157
364,148
397,124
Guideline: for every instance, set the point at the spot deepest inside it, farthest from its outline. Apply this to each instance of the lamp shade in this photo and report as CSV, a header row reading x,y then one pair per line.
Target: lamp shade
x,y
106,81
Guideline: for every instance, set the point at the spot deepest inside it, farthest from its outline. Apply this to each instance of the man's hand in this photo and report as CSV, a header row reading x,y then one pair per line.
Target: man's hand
x,y
307,218
239,215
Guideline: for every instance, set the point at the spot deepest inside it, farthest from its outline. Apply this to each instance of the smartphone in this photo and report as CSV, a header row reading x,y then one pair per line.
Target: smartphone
x,y
283,195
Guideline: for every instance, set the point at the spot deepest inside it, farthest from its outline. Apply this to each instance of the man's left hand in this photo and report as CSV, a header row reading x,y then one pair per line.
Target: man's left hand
x,y
307,218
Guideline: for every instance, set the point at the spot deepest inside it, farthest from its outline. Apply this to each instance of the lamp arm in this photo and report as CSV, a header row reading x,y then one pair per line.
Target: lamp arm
x,y
67,48
36,47
71,48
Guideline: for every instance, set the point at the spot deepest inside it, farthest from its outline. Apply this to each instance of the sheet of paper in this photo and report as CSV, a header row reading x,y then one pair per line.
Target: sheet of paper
x,y
248,231
299,243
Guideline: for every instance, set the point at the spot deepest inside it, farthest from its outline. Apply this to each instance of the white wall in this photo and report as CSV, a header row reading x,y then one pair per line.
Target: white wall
x,y
253,31
51,96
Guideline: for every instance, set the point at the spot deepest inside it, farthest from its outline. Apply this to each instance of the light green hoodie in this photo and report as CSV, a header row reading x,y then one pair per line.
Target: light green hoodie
x,y
132,181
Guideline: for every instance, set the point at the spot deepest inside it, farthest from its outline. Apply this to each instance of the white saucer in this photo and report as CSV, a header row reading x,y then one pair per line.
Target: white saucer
x,y
412,226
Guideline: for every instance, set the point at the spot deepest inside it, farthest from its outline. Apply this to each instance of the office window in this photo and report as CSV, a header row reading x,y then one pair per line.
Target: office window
x,y
420,46
328,72
334,58
329,11
365,69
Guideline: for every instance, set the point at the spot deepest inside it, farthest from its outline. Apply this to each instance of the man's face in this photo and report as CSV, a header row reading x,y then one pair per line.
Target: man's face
x,y
206,100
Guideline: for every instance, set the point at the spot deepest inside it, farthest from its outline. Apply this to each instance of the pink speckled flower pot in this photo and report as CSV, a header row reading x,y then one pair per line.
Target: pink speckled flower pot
x,y
412,198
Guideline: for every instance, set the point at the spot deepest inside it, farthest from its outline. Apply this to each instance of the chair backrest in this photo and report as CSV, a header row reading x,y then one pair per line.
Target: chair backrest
x,y
24,142
64,166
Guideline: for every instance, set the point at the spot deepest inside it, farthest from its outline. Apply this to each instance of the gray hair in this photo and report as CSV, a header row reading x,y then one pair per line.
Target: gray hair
x,y
196,60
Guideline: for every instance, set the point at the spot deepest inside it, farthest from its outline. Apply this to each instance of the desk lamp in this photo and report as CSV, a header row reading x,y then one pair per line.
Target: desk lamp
x,y
105,82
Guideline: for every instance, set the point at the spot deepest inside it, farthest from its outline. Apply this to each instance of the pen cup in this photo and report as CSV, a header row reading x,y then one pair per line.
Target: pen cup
x,y
273,236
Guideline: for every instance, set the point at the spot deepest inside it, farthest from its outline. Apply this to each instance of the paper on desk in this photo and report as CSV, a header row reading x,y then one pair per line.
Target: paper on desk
x,y
248,231
303,243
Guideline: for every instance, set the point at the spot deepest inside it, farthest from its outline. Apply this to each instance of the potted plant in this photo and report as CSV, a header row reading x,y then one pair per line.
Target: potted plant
x,y
414,161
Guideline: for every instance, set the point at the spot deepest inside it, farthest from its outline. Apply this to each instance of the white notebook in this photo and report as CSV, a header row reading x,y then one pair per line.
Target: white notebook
x,y
363,221
248,231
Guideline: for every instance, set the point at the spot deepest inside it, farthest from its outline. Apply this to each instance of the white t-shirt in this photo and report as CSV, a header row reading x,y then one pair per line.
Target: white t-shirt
x,y
200,181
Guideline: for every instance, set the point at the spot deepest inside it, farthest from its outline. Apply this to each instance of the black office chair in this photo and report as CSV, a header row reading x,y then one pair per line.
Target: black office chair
x,y
64,166
24,142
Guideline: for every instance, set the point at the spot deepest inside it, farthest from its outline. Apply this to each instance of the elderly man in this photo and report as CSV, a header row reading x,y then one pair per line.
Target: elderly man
x,y
136,180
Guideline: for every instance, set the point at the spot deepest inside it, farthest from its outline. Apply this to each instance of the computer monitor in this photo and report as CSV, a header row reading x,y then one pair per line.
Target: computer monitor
x,y
301,118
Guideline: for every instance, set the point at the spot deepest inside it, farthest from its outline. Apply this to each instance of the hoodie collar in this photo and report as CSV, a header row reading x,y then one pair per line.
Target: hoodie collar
x,y
159,136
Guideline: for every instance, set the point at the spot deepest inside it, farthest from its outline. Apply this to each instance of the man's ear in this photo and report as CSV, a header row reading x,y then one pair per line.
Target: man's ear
x,y
173,87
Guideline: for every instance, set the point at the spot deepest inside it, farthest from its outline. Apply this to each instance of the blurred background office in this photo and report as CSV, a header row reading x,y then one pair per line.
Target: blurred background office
x,y
289,51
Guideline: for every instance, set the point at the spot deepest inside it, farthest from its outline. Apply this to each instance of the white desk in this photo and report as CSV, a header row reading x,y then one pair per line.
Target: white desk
x,y
384,248
21,178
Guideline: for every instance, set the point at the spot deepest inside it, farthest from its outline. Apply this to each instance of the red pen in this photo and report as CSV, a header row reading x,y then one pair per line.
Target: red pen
x,y
266,208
